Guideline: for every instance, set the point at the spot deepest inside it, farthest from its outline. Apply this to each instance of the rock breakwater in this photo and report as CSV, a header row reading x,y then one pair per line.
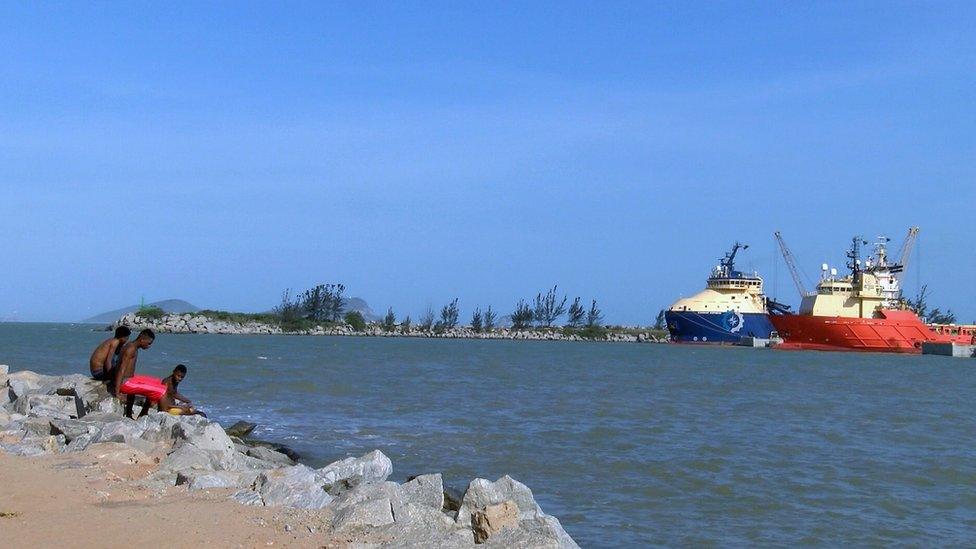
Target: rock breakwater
x,y
352,497
190,323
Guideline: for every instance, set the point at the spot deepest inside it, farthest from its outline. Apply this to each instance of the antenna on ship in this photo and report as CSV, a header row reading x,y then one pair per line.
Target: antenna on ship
x,y
854,254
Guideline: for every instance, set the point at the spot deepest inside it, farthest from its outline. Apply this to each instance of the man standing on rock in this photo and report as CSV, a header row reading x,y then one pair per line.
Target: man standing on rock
x,y
104,359
127,368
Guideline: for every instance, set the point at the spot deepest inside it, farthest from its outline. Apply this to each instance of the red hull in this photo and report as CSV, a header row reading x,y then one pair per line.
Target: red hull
x,y
895,332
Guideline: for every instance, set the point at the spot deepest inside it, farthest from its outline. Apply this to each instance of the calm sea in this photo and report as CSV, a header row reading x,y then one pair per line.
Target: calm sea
x,y
629,445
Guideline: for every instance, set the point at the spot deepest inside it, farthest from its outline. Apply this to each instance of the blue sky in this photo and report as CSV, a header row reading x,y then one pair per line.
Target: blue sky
x,y
417,152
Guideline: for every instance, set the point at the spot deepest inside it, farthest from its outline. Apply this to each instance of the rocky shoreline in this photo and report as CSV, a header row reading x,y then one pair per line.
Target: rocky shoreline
x,y
189,323
352,498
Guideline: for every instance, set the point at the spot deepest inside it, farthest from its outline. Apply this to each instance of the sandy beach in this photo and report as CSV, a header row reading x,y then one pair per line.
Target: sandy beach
x,y
88,499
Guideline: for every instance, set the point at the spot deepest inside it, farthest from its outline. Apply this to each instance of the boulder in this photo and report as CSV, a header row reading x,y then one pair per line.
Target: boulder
x,y
492,519
295,486
371,467
54,406
22,449
79,443
269,455
204,435
542,531
4,370
424,490
37,426
369,513
196,480
247,497
73,428
241,429
481,493
124,431
188,457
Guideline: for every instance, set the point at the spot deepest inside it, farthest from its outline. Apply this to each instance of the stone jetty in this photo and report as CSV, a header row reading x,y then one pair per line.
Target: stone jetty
x,y
353,497
191,323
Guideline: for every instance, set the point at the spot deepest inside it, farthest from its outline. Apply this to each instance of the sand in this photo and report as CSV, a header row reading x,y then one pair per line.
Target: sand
x,y
89,499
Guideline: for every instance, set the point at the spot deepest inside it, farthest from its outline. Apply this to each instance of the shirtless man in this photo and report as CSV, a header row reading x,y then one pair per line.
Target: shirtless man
x,y
102,360
127,368
173,402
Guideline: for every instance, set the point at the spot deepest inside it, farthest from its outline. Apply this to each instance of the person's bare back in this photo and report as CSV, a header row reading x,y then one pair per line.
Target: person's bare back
x,y
101,359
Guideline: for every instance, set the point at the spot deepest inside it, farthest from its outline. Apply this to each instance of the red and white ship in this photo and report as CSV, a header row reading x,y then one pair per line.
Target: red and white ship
x,y
863,311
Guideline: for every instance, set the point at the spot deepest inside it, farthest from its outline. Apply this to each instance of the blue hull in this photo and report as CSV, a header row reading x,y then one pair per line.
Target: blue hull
x,y
727,327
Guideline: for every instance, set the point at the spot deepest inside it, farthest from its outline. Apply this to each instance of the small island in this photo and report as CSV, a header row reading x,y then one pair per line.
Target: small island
x,y
323,310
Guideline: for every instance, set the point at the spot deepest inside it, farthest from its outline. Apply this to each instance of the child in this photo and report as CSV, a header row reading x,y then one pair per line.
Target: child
x,y
171,401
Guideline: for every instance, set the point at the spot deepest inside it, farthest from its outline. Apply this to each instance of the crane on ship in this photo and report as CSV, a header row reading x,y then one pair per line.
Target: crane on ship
x,y
906,250
791,265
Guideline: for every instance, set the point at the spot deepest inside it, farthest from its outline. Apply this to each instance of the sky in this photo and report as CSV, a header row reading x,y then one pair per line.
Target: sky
x,y
416,152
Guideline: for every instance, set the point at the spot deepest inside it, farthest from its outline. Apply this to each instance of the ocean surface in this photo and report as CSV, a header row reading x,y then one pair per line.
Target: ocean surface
x,y
627,444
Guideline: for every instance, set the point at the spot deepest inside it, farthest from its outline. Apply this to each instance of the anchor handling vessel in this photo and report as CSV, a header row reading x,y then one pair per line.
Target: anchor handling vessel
x,y
860,311
732,306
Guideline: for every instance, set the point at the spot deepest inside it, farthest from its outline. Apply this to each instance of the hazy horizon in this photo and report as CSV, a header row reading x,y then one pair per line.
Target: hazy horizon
x,y
422,152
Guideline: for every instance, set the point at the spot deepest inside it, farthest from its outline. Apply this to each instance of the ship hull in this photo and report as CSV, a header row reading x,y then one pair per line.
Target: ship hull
x,y
893,332
716,328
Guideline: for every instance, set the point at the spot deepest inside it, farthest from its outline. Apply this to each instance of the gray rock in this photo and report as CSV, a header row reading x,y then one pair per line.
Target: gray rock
x,y
79,443
189,457
247,497
4,369
269,455
481,493
295,486
540,532
371,467
241,429
204,435
37,426
39,405
492,519
73,428
125,431
22,449
218,479
369,513
424,490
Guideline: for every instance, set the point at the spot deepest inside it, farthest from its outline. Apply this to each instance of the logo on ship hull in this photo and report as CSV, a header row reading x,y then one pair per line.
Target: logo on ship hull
x,y
732,321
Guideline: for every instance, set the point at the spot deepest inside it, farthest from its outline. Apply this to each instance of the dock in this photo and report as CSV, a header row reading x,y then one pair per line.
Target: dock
x,y
958,350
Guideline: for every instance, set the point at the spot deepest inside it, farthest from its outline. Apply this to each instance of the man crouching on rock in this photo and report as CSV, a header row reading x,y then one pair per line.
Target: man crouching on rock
x,y
104,359
127,368
171,401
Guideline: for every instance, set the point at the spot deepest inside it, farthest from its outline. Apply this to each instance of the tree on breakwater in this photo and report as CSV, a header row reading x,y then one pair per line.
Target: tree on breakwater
x,y
522,315
476,320
489,320
427,320
449,317
548,308
389,321
576,314
595,316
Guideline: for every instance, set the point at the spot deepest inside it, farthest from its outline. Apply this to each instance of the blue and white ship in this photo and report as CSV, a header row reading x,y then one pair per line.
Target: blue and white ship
x,y
731,307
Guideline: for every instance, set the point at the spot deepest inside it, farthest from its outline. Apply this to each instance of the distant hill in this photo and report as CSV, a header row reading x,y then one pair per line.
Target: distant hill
x,y
169,305
359,304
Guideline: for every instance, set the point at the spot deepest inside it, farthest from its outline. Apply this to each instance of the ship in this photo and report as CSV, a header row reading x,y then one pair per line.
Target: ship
x,y
860,311
732,306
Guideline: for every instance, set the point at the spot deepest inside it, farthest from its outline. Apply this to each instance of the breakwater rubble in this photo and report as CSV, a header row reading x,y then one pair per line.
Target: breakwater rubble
x,y
352,497
190,323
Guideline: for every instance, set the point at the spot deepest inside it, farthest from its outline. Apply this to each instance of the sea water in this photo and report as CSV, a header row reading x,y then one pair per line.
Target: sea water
x,y
627,444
